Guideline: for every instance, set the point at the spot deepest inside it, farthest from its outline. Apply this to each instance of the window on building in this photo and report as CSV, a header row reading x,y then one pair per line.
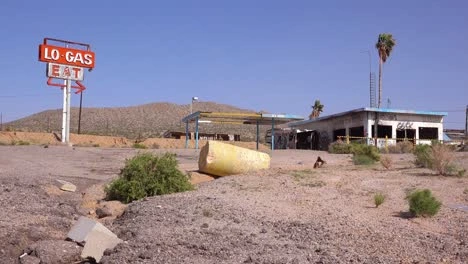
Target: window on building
x,y
383,131
339,133
409,134
428,133
356,131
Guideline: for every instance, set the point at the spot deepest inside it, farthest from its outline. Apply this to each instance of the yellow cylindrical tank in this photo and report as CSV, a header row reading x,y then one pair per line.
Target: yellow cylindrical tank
x,y
223,159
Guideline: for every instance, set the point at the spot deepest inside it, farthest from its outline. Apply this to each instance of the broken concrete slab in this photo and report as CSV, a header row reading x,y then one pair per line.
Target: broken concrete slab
x,y
67,186
80,231
97,242
96,237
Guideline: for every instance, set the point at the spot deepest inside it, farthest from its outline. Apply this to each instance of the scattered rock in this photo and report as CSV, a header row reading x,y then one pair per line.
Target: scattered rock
x,y
196,177
102,212
67,186
111,208
29,260
55,251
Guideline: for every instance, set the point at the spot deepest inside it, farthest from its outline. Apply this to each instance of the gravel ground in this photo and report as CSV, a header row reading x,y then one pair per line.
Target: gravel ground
x,y
291,213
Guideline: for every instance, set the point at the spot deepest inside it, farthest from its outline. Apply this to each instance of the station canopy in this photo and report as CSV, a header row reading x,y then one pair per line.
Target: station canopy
x,y
241,118
237,118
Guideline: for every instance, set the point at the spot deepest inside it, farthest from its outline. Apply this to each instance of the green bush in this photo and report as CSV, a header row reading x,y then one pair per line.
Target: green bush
x,y
362,160
423,156
139,146
379,199
363,154
366,150
339,147
148,175
422,203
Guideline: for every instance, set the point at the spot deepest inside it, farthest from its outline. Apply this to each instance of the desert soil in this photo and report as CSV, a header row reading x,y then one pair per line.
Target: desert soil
x,y
290,213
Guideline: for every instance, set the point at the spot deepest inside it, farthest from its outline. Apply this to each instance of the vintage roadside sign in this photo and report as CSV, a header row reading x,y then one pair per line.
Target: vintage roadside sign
x,y
67,56
67,62
66,72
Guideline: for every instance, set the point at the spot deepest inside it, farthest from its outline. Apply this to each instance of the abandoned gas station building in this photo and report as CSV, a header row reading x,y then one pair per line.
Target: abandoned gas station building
x,y
394,125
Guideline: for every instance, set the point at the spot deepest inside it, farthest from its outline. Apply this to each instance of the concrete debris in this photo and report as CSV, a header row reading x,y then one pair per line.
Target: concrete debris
x,y
96,237
97,242
67,186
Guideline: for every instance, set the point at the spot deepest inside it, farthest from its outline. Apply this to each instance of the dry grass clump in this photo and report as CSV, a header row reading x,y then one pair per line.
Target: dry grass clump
x,y
401,147
386,161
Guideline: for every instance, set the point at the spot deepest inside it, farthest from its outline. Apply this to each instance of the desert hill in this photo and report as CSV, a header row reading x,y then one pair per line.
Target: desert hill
x,y
148,120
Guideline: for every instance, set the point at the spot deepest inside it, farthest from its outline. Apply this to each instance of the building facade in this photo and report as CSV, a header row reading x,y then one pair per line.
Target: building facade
x,y
393,126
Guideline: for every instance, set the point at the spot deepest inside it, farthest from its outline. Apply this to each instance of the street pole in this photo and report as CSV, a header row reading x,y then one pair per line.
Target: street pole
x,y
79,115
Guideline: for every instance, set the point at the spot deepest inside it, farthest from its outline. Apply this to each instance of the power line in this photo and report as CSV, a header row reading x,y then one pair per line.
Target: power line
x,y
25,95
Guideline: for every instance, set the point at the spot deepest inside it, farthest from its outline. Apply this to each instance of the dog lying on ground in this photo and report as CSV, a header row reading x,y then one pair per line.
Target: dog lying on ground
x,y
319,163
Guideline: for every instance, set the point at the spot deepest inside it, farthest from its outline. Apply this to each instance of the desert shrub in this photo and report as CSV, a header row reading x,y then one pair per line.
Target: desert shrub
x,y
148,175
139,146
363,153
442,160
423,156
96,145
439,158
423,203
366,150
401,147
339,147
386,162
379,198
362,160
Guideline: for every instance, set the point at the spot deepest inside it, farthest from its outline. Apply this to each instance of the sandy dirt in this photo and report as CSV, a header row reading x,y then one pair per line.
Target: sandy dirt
x,y
80,140
290,213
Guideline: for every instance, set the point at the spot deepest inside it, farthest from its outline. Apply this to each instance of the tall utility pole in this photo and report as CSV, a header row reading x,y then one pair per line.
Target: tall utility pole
x,y
466,123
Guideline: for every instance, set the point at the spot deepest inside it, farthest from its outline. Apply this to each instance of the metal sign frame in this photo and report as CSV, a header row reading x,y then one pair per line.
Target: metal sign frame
x,y
69,58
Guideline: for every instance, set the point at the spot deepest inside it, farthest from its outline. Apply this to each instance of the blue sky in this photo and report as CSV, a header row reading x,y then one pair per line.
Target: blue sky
x,y
262,55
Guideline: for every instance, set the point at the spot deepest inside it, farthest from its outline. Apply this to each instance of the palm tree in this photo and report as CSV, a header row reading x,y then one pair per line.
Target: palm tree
x,y
384,46
317,108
